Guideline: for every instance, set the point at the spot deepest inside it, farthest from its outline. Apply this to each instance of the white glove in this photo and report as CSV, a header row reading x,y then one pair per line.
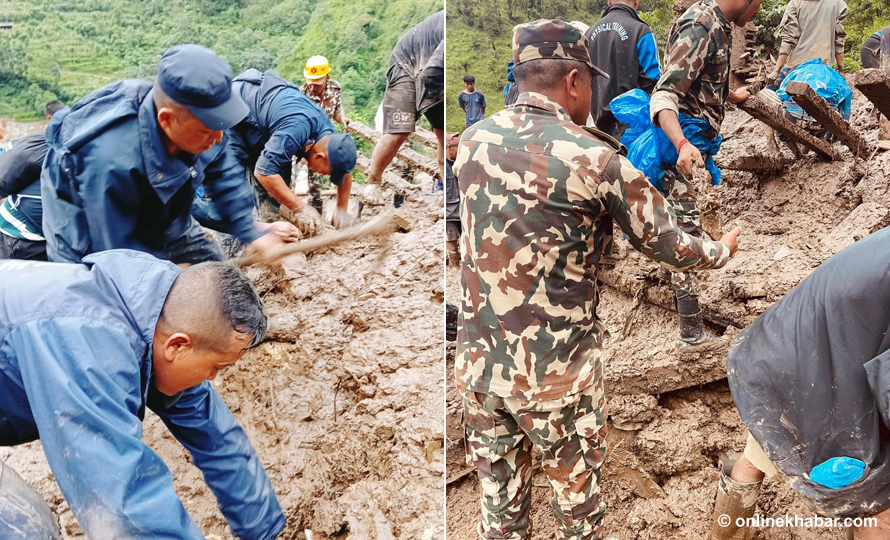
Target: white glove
x,y
372,195
340,219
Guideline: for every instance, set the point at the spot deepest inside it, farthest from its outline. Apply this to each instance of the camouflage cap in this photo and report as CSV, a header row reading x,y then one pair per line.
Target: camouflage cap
x,y
547,38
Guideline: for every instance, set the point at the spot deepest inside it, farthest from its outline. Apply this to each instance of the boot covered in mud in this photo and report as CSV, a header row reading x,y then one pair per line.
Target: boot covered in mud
x,y
734,500
692,331
453,253
450,322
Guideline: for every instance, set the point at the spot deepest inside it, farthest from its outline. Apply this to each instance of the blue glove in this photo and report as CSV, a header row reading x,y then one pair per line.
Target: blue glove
x,y
838,472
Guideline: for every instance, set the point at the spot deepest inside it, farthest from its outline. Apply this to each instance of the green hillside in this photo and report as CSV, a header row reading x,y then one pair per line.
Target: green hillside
x,y
68,48
479,33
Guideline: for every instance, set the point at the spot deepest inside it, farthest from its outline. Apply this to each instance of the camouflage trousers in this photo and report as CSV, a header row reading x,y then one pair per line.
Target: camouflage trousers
x,y
681,195
570,432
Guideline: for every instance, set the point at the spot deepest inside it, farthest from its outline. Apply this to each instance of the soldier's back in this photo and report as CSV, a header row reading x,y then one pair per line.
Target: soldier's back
x,y
534,229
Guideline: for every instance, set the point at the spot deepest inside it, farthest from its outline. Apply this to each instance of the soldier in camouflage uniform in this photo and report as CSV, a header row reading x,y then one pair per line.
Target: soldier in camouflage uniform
x,y
323,90
695,82
540,194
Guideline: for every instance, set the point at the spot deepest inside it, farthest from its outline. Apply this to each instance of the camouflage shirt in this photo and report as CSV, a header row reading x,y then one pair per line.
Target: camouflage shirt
x,y
539,197
330,102
695,79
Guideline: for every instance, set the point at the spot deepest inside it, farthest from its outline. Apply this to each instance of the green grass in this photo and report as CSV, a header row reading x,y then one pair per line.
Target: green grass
x,y
68,48
479,34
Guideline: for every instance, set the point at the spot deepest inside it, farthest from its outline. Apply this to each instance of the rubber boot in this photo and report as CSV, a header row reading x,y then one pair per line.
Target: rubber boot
x,y
453,253
691,329
734,500
315,198
450,322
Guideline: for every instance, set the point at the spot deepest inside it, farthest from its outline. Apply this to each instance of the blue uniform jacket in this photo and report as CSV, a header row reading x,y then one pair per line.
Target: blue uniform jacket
x,y
281,122
108,181
75,372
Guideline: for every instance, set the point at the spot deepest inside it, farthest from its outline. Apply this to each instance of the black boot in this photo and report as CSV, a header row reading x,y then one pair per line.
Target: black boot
x,y
450,322
691,330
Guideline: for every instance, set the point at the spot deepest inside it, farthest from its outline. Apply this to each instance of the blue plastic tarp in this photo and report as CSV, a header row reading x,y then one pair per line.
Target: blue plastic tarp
x,y
649,149
828,84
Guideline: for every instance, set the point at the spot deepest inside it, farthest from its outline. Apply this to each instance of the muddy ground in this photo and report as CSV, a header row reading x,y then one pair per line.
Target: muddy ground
x,y
671,414
343,401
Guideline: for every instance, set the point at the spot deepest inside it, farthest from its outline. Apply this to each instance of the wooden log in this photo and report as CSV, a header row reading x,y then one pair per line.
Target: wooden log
x,y
424,137
763,112
414,159
624,280
875,85
758,164
821,111
391,179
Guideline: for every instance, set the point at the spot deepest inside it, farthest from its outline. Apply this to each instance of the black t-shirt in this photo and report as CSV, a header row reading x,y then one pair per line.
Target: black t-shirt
x,y
423,50
20,175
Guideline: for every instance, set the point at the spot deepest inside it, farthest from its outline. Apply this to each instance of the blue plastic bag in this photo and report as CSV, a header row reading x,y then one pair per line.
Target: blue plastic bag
x,y
649,149
827,83
838,472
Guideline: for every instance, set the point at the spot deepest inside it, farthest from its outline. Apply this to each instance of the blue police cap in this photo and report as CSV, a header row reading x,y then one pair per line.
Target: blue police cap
x,y
198,78
342,155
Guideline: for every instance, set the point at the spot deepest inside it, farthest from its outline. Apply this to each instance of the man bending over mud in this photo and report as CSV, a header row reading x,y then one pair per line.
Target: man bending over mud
x,y
811,380
85,349
540,196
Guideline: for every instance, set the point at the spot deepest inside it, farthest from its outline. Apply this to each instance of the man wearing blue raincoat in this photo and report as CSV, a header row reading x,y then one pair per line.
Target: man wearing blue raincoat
x,y
84,350
124,164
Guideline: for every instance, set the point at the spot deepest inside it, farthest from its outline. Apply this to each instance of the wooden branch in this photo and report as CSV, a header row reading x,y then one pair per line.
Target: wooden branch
x,y
763,112
875,85
821,111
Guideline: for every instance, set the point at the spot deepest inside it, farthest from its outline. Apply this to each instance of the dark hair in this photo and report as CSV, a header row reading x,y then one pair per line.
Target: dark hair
x,y
543,73
469,79
240,304
214,286
53,107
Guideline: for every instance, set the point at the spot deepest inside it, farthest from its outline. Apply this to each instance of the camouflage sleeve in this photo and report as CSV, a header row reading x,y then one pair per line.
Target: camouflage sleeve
x,y
337,104
789,28
650,225
840,33
684,58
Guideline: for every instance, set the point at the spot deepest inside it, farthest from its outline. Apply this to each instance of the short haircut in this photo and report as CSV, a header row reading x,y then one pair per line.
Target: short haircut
x,y
163,100
469,79
208,301
53,107
544,73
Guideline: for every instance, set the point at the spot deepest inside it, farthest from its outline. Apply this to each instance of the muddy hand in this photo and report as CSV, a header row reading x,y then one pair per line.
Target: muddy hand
x,y
306,219
286,230
266,248
689,157
373,196
732,240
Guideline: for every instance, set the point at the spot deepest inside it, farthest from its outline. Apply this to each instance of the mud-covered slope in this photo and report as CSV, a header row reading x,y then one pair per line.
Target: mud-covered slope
x,y
343,401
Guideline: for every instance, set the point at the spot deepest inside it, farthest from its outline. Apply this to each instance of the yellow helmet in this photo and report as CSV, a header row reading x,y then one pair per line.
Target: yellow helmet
x,y
316,67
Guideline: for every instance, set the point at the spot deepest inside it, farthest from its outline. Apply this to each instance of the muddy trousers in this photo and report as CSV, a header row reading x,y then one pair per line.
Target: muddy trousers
x,y
570,432
23,512
682,197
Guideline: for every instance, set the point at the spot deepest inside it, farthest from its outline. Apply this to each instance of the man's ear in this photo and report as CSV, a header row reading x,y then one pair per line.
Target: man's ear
x,y
573,79
177,346
165,116
323,154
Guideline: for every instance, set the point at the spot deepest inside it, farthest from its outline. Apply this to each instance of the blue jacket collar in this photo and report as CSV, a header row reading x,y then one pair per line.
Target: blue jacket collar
x,y
164,172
